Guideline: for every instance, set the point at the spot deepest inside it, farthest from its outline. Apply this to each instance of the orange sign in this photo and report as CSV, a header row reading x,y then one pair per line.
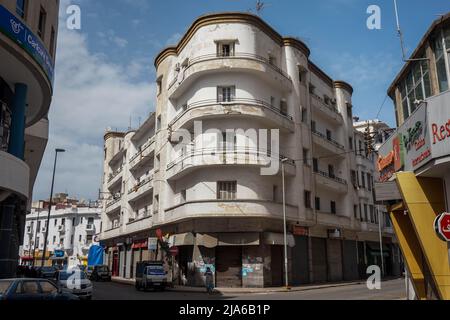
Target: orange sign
x,y
385,162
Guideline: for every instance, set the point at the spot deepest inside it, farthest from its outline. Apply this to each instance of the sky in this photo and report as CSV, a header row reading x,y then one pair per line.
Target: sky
x,y
105,77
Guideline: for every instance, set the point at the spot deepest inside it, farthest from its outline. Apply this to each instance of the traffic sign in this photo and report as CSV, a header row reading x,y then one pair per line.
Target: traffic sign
x,y
174,251
442,226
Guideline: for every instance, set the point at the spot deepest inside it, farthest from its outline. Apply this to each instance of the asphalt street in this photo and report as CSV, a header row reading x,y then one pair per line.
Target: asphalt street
x,y
390,290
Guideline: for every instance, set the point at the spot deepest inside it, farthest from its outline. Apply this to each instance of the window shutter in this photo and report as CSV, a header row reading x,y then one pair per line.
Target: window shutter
x,y
233,93
219,94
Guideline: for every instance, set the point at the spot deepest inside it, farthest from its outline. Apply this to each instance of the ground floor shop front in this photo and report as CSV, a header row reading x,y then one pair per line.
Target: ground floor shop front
x,y
254,259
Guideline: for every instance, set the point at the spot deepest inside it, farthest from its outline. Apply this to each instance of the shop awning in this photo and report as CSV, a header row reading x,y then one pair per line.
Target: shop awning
x,y
238,239
26,258
277,239
206,240
183,239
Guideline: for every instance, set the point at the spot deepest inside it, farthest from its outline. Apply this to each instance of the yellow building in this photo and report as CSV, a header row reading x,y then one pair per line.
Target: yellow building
x,y
414,164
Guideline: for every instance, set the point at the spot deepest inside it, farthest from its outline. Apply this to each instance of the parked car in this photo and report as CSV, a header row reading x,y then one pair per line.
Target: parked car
x,y
99,273
47,273
150,275
75,282
31,290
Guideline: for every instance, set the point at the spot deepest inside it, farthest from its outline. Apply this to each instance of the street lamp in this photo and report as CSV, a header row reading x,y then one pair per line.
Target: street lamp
x,y
50,206
283,161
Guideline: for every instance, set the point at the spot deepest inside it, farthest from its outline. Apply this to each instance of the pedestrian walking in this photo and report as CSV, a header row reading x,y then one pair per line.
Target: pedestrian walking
x,y
209,280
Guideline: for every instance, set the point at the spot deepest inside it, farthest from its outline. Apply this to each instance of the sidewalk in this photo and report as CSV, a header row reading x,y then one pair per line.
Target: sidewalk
x,y
251,290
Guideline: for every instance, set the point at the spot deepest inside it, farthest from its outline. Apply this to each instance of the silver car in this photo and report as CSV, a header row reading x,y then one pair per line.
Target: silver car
x,y
75,282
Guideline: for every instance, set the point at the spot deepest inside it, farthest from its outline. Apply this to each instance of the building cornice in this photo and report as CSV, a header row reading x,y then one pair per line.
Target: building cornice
x,y
318,72
109,135
230,17
339,84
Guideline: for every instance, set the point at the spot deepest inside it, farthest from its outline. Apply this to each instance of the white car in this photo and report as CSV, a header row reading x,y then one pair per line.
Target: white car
x,y
75,282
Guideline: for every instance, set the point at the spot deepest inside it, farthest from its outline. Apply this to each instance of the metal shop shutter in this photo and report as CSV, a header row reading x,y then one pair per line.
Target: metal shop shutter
x,y
350,254
136,259
229,267
300,261
319,259
334,251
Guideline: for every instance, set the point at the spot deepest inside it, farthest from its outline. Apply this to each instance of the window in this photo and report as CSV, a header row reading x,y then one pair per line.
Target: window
x,y
350,143
48,288
80,238
306,157
225,49
225,94
304,115
363,180
21,6
158,123
369,181
307,199
317,203
226,190
159,85
355,211
89,239
54,239
331,171
333,207
183,196
272,101
313,126
56,222
63,221
73,221
42,22
52,42
283,107
90,220
329,135
349,110
354,178
316,165
366,212
30,287
439,53
81,220
71,239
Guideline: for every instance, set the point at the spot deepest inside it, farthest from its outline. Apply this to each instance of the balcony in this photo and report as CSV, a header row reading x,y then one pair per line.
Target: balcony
x,y
113,205
111,233
270,116
328,143
142,224
217,157
241,62
224,209
115,177
90,229
364,193
142,189
331,182
118,156
143,156
14,173
329,111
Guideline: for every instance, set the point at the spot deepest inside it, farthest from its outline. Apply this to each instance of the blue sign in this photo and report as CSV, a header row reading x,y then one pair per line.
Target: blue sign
x,y
18,32
59,254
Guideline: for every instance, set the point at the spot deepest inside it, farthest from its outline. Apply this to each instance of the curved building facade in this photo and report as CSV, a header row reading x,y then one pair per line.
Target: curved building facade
x,y
28,33
234,98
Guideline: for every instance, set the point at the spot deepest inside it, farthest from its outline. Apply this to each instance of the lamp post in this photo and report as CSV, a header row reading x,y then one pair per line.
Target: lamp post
x,y
35,237
381,243
50,206
286,272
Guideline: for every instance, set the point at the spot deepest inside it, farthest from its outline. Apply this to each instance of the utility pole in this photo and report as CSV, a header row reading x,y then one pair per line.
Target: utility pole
x,y
50,206
286,271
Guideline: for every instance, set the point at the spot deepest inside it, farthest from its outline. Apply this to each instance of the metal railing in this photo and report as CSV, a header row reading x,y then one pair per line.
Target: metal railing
x,y
140,185
332,108
143,148
230,151
330,140
331,177
115,174
235,101
113,202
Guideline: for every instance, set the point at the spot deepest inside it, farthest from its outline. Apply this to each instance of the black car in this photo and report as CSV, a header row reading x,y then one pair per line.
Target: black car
x,y
47,273
32,290
98,273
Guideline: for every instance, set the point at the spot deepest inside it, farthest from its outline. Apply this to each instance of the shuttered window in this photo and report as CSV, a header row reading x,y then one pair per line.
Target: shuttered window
x,y
226,94
226,190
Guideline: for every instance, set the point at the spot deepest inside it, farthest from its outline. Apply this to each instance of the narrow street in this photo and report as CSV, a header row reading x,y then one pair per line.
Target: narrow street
x,y
391,290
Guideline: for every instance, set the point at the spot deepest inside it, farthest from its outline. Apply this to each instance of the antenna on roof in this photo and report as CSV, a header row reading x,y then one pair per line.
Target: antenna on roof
x,y
259,7
400,35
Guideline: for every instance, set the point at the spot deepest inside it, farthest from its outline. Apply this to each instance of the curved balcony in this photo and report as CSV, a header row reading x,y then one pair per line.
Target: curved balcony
x,y
115,178
269,115
143,156
113,205
244,62
142,189
224,209
328,144
217,157
15,175
111,233
328,111
330,182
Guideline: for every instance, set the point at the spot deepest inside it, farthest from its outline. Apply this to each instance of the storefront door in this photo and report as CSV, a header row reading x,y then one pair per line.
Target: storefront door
x,y
115,264
229,267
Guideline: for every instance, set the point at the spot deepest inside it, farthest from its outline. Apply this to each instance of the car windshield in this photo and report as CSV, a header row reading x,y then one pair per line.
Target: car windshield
x,y
4,285
155,270
75,274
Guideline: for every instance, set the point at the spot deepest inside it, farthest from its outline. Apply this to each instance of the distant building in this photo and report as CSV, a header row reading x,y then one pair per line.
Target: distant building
x,y
71,231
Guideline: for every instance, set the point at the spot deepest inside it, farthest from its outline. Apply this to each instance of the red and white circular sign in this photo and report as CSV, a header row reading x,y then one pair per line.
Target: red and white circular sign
x,y
442,226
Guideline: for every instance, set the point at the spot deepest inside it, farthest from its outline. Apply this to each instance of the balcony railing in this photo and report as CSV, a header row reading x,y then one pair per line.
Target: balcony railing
x,y
143,148
235,101
141,184
229,151
115,174
238,55
331,107
330,140
331,177
113,202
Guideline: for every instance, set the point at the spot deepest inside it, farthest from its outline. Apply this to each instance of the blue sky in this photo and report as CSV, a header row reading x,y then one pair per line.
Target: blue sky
x,y
105,73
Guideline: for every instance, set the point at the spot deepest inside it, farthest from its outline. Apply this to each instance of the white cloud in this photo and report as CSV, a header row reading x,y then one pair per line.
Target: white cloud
x,y
90,95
